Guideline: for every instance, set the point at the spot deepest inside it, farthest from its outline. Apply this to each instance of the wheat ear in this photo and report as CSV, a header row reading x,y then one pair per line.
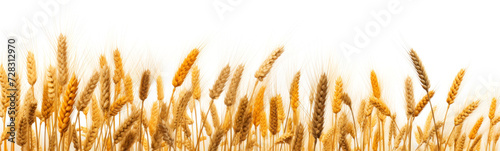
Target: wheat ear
x,y
183,70
298,138
240,115
86,95
67,104
337,98
125,126
423,102
319,107
294,92
273,116
233,87
119,73
476,127
181,108
105,84
220,83
62,62
130,139
410,100
375,85
145,84
5,85
466,112
266,66
380,105
31,67
159,88
493,107
258,106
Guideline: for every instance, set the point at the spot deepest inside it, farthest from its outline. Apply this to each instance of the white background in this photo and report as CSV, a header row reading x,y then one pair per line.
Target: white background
x,y
447,35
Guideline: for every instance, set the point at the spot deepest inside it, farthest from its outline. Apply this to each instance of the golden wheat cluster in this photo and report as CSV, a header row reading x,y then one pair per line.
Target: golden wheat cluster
x,y
117,123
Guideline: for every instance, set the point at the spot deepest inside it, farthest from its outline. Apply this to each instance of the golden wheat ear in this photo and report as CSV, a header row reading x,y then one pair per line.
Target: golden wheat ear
x,y
67,104
62,60
294,92
220,83
183,70
410,100
233,87
266,66
419,67
466,112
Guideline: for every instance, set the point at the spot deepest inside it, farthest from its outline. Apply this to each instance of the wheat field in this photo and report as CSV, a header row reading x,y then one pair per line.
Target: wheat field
x,y
104,114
